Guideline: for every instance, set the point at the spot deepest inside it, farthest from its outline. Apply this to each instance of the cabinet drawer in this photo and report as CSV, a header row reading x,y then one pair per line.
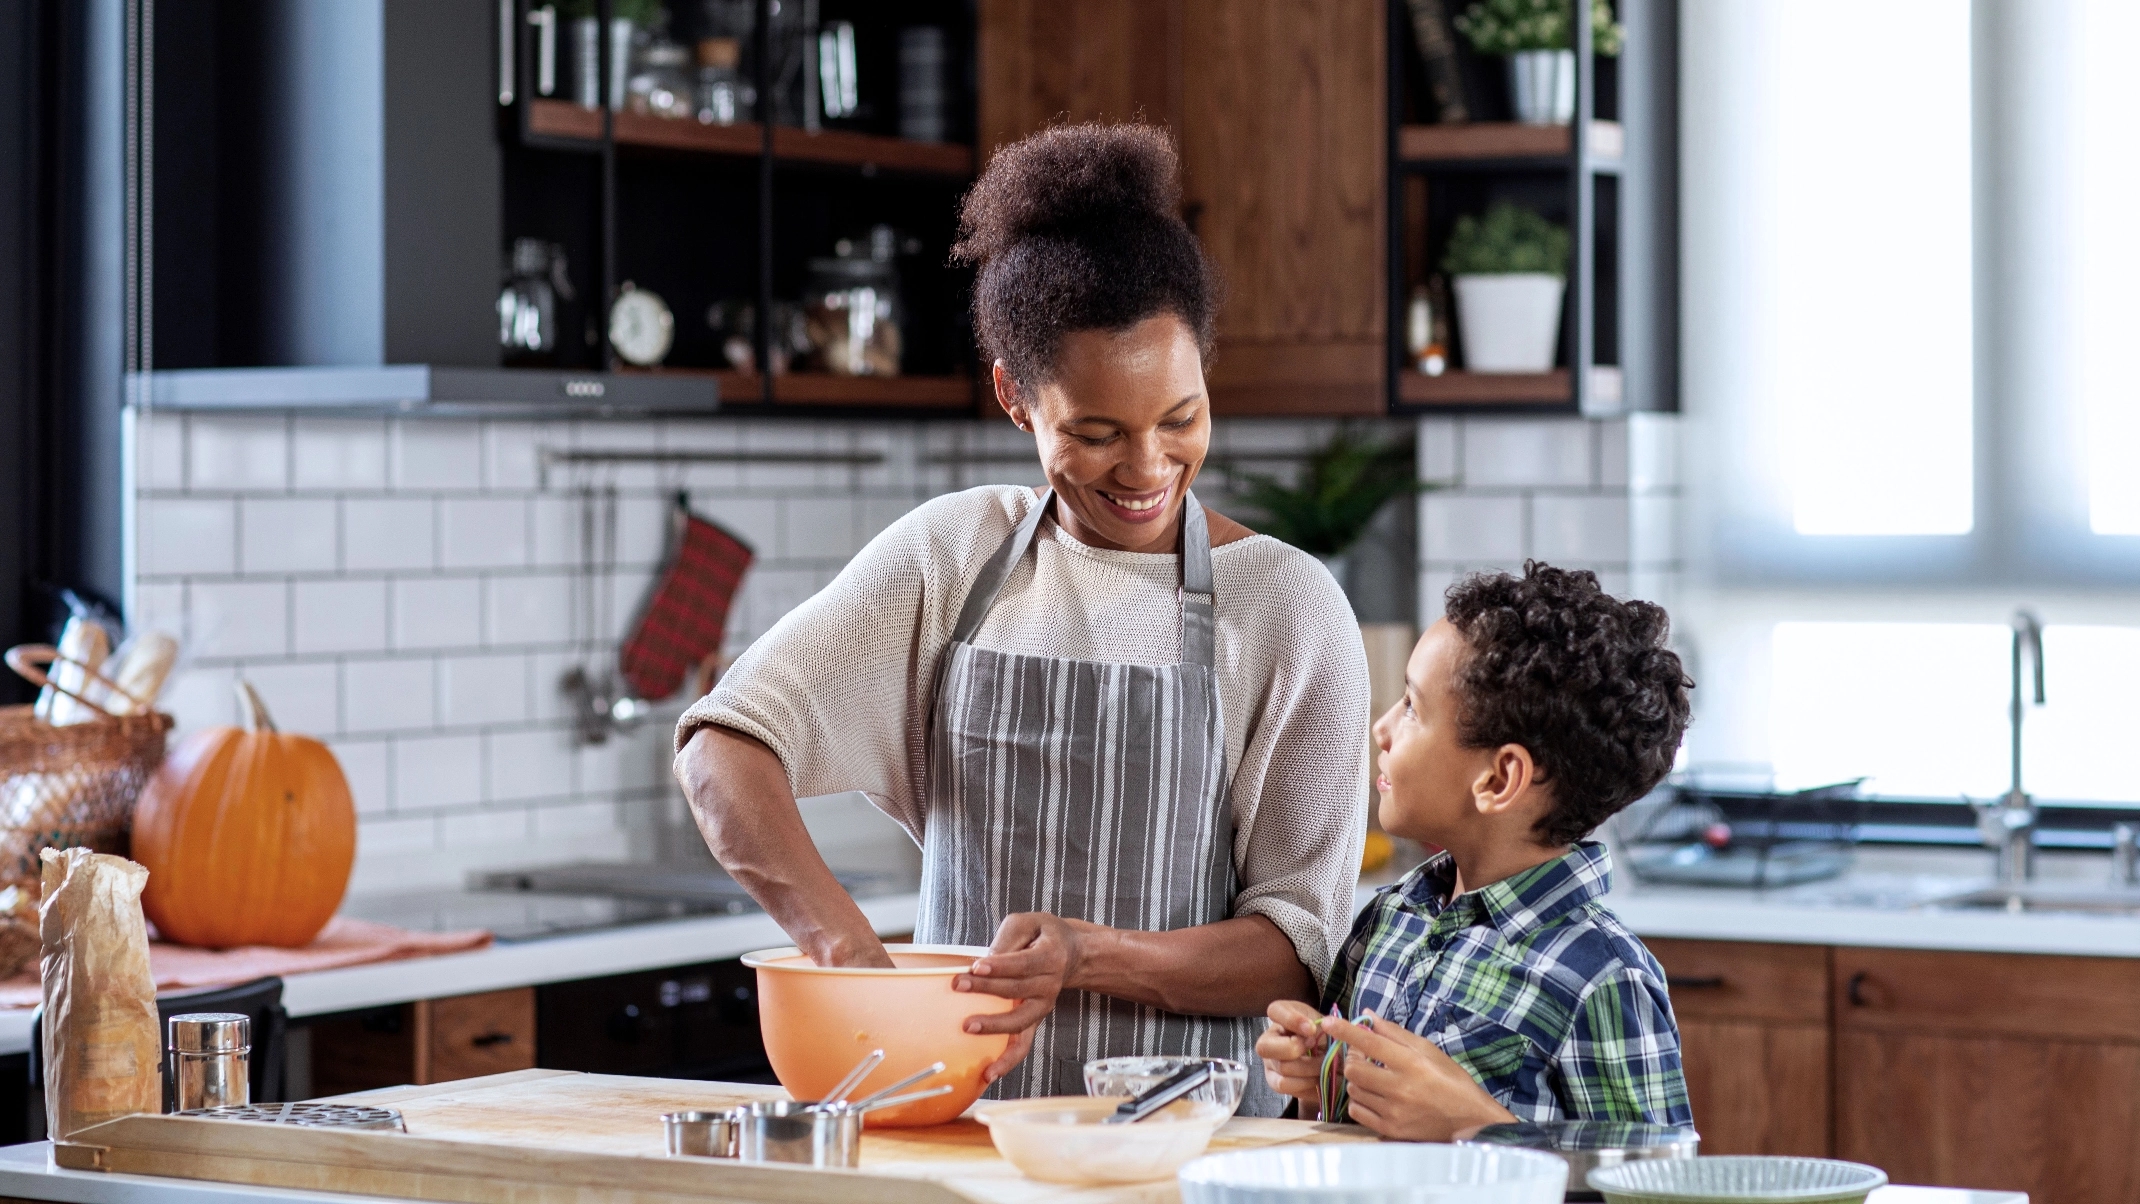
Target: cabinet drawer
x,y
1988,994
1745,980
464,1036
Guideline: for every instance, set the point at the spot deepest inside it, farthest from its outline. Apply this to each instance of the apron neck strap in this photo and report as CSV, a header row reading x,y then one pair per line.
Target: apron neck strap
x,y
1196,588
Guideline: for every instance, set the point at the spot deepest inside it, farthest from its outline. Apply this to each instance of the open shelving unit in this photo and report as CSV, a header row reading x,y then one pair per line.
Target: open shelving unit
x,y
708,214
1607,176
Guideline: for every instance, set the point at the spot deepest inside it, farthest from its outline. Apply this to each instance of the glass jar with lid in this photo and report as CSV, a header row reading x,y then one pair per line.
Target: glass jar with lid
x,y
852,312
662,83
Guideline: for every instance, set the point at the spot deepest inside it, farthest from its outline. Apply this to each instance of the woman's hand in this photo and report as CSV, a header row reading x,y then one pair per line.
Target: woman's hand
x,y
1404,1087
1292,1052
1033,959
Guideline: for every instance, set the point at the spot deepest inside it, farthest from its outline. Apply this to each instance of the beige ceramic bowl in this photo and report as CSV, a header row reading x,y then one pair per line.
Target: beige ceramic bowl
x,y
1060,1139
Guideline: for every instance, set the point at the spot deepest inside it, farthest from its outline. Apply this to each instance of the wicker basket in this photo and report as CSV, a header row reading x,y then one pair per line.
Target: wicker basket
x,y
68,786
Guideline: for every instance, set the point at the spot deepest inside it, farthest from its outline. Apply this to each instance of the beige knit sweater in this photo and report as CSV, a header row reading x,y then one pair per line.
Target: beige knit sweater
x,y
840,687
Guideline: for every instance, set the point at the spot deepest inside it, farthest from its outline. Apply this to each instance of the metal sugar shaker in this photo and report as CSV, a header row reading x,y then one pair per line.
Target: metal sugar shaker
x,y
211,1057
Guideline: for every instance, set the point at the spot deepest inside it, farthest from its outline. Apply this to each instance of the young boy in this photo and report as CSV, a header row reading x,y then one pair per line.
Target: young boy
x,y
1491,983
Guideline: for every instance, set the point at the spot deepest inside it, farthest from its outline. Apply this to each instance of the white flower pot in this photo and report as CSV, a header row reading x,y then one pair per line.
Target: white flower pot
x,y
1541,86
1509,323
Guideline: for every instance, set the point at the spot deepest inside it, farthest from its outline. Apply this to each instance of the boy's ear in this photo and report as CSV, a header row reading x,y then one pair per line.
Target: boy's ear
x,y
1506,781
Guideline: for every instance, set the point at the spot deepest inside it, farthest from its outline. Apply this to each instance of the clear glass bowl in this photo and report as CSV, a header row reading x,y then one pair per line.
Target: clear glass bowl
x,y
1134,1076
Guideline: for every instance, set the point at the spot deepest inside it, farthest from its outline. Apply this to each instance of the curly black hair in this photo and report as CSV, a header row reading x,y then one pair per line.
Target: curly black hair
x,y
1078,228
1580,678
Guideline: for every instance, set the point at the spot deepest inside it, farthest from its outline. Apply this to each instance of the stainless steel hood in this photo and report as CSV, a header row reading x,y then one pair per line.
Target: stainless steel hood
x,y
424,390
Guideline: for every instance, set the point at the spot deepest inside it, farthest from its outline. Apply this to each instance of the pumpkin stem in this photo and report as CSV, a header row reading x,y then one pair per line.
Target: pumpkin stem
x,y
257,718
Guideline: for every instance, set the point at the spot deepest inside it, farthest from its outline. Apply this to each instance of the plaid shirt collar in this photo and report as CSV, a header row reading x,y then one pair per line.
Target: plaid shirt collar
x,y
1515,905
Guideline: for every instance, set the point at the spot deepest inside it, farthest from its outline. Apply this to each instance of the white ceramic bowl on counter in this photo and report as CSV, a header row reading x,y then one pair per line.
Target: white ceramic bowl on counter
x,y
1060,1138
1365,1173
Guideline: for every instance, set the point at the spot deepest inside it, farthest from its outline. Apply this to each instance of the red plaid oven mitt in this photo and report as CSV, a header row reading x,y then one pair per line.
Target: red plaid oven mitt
x,y
687,613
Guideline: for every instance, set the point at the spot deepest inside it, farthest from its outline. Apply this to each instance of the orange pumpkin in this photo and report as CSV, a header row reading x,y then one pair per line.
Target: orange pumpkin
x,y
248,835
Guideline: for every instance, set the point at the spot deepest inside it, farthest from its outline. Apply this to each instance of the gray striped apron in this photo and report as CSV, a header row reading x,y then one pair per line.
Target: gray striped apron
x,y
1089,790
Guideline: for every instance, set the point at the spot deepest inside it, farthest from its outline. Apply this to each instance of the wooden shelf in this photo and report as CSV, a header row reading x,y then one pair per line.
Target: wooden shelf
x,y
870,152
954,392
1484,141
1502,388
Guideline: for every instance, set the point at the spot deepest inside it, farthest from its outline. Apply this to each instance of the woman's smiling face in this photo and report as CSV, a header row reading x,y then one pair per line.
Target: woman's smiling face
x,y
1122,428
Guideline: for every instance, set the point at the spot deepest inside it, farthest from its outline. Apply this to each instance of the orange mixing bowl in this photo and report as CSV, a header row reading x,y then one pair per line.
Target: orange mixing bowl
x,y
819,1021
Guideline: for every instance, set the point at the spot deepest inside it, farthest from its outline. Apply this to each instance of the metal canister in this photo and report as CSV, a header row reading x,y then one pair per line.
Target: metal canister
x,y
780,1130
700,1134
210,1055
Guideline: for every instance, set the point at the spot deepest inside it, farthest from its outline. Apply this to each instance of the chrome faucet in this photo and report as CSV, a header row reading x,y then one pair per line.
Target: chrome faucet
x,y
2009,825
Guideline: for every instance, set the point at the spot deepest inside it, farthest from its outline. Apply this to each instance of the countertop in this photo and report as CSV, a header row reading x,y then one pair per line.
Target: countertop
x,y
27,1173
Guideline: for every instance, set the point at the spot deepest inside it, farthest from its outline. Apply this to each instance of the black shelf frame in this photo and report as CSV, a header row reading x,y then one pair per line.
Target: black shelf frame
x,y
1644,307
517,124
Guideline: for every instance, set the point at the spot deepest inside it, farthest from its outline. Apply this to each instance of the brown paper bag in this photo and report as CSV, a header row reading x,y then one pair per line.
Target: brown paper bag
x,y
101,1054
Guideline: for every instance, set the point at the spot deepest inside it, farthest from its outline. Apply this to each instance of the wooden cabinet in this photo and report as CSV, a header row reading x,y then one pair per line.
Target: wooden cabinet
x,y
429,1041
1991,1070
1279,108
1754,1038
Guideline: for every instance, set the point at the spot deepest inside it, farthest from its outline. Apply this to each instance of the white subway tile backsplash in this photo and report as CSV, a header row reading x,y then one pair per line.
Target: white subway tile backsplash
x,y
512,453
1453,527
338,615
1438,442
555,520
643,529
434,772
240,618
1653,451
547,692
528,765
756,521
879,513
388,695
338,453
1526,451
286,535
304,698
159,449
434,454
1654,529
528,610
820,528
383,838
576,819
1579,528
199,696
483,532
382,534
159,607
508,827
1613,466
237,453
637,761
364,763
483,690
188,535
437,612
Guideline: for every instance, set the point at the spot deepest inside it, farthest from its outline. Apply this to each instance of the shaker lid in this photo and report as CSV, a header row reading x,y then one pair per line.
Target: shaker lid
x,y
211,1032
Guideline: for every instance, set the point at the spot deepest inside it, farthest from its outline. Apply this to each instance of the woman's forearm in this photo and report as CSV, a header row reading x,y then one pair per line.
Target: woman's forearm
x,y
740,796
1236,967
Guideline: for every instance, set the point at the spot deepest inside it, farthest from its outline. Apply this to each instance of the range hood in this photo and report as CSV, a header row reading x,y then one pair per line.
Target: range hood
x,y
430,390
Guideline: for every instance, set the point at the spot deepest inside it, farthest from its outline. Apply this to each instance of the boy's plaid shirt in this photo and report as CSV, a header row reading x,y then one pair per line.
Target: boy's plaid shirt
x,y
1530,984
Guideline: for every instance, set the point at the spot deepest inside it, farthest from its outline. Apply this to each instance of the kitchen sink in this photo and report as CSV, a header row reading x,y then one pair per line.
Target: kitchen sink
x,y
2036,899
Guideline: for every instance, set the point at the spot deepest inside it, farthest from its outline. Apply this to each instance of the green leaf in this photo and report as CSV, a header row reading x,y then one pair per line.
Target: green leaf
x,y
1510,26
1340,490
1509,239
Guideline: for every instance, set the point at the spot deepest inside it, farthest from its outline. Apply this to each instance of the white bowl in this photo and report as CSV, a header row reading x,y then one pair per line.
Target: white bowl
x,y
1121,1077
1060,1139
1376,1173
1738,1179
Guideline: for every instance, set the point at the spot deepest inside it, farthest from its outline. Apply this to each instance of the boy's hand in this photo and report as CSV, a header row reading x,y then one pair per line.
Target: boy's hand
x,y
1292,1052
1404,1087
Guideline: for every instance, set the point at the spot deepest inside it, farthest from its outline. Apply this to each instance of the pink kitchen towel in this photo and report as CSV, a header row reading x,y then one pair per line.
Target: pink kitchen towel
x,y
344,942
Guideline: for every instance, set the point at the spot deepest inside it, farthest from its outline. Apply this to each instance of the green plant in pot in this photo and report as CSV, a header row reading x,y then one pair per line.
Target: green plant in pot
x,y
1538,39
1510,271
1340,489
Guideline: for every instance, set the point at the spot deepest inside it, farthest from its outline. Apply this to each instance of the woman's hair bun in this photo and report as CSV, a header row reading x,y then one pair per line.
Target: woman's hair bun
x,y
1066,178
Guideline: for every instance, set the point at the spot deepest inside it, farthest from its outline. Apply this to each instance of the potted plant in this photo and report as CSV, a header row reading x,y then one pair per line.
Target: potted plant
x,y
1538,39
1510,270
1344,484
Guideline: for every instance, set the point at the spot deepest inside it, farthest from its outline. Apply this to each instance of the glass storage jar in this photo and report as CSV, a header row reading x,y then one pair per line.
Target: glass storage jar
x,y
852,312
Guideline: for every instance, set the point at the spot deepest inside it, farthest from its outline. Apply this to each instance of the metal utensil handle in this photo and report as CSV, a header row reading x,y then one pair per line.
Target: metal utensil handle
x,y
873,1103
930,1071
1165,1092
854,1078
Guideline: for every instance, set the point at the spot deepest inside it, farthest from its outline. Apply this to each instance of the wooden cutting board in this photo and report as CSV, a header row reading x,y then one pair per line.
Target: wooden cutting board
x,y
558,1137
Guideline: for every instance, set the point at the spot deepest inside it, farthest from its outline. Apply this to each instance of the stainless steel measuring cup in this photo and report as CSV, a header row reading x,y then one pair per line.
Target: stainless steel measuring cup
x,y
800,1132
700,1134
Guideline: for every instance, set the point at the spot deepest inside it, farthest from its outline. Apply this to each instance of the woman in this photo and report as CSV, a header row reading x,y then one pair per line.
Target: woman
x,y
1126,731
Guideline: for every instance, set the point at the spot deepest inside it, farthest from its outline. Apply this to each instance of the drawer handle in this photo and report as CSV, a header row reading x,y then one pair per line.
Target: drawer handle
x,y
1696,982
490,1039
1855,990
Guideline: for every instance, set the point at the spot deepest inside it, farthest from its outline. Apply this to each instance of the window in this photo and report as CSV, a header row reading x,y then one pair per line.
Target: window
x,y
2105,256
